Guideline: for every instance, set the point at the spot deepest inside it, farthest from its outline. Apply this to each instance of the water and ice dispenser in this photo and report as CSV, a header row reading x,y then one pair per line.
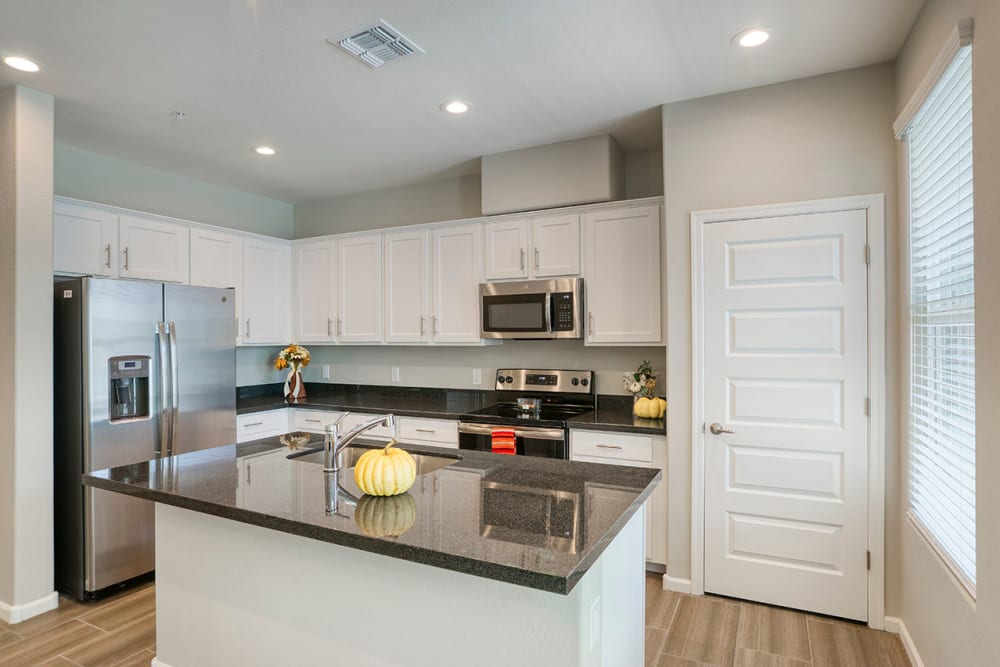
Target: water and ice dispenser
x,y
128,387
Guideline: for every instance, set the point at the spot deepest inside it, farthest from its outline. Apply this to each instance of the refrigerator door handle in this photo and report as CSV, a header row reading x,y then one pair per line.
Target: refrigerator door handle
x,y
163,438
175,398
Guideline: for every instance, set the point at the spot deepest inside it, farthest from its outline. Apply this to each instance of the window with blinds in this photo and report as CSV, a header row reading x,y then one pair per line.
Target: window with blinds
x,y
942,419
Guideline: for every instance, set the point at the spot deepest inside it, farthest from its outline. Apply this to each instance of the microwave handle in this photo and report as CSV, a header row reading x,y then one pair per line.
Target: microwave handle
x,y
548,312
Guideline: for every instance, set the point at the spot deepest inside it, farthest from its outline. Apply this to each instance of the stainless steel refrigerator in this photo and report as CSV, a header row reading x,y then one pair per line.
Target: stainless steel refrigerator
x,y
142,370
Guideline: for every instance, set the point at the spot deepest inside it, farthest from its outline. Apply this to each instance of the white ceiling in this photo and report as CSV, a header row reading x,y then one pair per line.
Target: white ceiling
x,y
536,71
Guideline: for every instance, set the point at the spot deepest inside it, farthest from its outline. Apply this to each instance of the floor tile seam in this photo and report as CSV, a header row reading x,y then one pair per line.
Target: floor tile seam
x,y
72,662
126,659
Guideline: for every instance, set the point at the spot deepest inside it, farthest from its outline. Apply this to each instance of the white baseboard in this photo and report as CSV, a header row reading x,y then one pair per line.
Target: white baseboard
x,y
676,585
896,626
22,612
156,662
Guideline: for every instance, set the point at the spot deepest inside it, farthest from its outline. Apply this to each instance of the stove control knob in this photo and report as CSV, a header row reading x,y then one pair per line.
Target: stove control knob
x,y
501,379
509,379
574,382
584,382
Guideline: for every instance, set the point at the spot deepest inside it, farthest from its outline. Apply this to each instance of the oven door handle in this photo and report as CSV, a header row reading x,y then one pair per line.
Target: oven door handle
x,y
533,433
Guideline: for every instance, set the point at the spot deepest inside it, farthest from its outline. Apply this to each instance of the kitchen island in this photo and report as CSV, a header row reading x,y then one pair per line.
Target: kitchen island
x,y
489,560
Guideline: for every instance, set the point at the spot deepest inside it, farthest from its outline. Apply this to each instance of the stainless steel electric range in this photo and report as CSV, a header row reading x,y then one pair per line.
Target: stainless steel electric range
x,y
535,404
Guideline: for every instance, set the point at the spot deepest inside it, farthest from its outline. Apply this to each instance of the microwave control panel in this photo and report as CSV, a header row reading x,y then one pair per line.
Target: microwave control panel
x,y
562,311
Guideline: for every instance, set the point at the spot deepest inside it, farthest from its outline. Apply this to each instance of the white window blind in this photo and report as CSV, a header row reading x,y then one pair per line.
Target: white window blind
x,y
942,423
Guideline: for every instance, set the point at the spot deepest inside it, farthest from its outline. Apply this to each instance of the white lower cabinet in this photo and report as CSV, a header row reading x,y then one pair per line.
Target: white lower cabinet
x,y
626,449
316,421
268,424
435,432
83,240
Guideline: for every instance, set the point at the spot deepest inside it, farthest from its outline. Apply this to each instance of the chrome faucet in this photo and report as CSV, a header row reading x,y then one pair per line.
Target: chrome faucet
x,y
334,441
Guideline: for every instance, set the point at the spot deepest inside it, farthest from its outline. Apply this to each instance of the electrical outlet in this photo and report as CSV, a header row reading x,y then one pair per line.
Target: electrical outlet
x,y
326,371
477,376
595,622
395,373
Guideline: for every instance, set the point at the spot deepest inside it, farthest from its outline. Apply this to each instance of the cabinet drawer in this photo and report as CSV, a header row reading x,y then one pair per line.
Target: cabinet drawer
x,y
313,420
613,446
260,424
432,431
355,419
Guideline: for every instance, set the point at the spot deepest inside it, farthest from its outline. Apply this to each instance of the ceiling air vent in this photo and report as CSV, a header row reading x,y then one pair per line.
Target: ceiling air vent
x,y
376,44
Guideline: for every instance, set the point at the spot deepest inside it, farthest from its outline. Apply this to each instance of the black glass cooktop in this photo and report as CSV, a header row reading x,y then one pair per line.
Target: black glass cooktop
x,y
553,416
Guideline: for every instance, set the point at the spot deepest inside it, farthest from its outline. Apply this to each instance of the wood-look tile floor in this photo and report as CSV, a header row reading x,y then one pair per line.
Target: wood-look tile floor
x,y
696,631
681,631
120,630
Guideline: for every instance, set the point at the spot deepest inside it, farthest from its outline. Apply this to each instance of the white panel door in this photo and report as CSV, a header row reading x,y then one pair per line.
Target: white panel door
x,y
217,261
153,249
622,274
555,246
359,284
407,287
506,253
83,240
785,370
267,313
315,293
457,273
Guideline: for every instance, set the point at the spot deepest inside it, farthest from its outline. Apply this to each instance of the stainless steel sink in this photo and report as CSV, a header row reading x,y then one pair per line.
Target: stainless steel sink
x,y
426,463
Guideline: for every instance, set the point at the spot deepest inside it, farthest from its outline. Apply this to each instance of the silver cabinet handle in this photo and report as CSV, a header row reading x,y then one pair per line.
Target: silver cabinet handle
x,y
590,324
329,326
248,328
126,259
522,259
717,429
422,318
536,259
340,327
434,329
107,256
617,447
237,319
314,421
425,430
253,424
248,473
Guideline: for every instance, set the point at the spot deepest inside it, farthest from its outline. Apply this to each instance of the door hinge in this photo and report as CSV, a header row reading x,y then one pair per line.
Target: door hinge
x,y
868,559
868,407
868,254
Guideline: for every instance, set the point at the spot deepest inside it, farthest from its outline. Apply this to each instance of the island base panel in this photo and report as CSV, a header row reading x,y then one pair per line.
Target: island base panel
x,y
229,593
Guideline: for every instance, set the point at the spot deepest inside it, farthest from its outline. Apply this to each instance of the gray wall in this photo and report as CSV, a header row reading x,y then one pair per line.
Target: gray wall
x,y
107,180
947,627
826,136
451,366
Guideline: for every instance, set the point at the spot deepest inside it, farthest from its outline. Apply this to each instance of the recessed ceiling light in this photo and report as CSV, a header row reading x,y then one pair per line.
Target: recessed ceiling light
x,y
264,150
752,37
456,106
23,64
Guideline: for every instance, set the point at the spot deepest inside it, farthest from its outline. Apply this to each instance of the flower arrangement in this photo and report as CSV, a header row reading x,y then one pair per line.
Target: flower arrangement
x,y
294,356
642,383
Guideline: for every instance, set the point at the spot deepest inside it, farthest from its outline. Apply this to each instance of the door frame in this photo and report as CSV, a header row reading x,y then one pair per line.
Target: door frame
x,y
874,205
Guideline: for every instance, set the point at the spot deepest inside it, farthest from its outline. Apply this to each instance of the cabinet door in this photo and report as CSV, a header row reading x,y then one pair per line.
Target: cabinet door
x,y
622,272
407,293
267,267
359,283
315,295
217,261
83,240
457,274
555,246
506,249
595,494
153,249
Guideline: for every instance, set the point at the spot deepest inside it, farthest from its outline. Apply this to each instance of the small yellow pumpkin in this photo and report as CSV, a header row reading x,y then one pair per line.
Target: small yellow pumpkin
x,y
643,407
389,516
385,472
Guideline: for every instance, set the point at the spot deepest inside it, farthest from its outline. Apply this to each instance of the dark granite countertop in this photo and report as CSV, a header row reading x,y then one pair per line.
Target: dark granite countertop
x,y
613,413
486,515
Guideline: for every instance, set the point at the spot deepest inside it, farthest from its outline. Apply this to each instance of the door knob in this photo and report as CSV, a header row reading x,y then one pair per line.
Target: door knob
x,y
717,429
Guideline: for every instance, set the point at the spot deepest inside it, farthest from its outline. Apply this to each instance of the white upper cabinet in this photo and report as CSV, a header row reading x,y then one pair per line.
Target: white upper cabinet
x,y
555,246
153,249
217,261
315,292
407,287
359,286
621,250
532,248
83,240
457,272
267,267
506,249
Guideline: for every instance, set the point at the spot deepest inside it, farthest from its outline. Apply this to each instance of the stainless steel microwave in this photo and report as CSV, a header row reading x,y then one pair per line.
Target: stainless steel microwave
x,y
532,309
